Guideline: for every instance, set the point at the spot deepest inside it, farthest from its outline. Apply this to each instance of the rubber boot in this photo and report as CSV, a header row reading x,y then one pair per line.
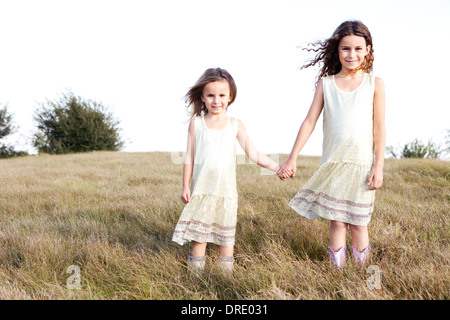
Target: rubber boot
x,y
361,258
338,258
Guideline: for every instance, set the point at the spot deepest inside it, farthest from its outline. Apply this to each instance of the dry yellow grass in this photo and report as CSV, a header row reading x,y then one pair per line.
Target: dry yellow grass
x,y
112,215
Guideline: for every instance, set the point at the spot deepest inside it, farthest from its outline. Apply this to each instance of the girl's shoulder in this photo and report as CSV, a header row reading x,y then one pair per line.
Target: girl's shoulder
x,y
375,81
378,80
236,121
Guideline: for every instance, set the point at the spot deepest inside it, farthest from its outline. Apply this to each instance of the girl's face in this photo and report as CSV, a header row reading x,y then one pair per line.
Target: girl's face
x,y
352,52
216,96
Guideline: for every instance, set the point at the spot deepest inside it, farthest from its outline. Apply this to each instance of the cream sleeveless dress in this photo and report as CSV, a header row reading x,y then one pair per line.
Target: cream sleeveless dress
x,y
211,214
338,190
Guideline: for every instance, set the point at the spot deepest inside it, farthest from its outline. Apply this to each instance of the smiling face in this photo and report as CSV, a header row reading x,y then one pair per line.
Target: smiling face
x,y
352,52
216,97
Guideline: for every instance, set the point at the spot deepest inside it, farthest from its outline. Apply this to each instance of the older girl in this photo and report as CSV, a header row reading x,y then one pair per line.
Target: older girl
x,y
343,188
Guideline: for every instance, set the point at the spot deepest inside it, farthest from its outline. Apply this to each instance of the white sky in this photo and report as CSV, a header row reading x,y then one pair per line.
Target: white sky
x,y
139,58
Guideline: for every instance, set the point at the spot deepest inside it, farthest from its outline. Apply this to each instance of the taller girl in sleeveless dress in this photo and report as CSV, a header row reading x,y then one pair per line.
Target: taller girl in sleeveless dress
x,y
209,171
343,188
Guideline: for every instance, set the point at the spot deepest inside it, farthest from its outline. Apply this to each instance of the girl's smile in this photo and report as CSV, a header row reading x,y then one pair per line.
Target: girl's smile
x,y
352,52
216,96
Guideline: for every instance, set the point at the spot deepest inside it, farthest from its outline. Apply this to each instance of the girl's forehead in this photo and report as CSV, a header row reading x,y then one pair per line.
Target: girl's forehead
x,y
221,85
353,40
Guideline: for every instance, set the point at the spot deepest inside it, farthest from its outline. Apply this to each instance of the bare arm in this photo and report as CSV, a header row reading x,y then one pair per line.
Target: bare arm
x,y
379,135
251,151
289,167
188,165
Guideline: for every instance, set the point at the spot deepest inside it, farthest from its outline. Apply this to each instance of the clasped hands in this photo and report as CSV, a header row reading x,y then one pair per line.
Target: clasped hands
x,y
287,169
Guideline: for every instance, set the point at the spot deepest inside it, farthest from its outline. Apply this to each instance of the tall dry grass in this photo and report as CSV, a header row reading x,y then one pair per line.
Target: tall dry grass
x,y
113,214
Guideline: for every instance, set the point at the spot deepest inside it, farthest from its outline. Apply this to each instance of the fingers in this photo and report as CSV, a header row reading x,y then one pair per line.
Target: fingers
x,y
375,182
185,198
283,175
294,171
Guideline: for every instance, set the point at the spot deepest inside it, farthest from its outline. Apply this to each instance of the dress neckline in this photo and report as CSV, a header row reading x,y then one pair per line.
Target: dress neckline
x,y
215,130
354,90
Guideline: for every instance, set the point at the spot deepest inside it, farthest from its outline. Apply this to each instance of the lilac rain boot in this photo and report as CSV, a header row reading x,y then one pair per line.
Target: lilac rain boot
x,y
338,258
361,258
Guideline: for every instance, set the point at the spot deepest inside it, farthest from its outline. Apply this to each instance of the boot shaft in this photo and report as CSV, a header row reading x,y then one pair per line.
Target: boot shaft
x,y
338,258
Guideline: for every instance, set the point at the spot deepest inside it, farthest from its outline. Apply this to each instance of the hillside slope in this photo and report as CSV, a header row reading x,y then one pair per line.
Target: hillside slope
x,y
111,216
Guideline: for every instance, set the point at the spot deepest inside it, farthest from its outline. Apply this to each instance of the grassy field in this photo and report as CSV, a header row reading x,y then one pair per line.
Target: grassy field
x,y
112,215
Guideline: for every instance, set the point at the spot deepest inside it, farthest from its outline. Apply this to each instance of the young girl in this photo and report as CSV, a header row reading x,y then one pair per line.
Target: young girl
x,y
209,171
343,188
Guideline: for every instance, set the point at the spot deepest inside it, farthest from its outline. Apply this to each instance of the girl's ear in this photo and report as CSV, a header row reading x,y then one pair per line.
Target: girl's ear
x,y
368,49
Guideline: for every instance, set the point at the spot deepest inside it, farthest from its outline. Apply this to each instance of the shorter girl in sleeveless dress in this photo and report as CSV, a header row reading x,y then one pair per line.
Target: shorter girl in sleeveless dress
x,y
209,170
343,188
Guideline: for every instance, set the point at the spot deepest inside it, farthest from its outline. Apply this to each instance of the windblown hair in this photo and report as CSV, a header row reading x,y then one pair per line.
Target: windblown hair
x,y
193,97
328,54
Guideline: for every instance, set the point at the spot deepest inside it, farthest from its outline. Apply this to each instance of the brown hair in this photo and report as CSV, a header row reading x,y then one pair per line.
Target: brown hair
x,y
328,50
194,95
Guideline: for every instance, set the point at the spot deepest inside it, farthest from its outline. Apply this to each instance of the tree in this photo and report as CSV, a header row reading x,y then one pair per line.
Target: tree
x,y
416,149
7,128
74,124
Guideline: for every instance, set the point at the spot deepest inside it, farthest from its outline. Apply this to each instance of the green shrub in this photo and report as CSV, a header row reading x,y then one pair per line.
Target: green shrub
x,y
7,128
9,152
416,149
74,124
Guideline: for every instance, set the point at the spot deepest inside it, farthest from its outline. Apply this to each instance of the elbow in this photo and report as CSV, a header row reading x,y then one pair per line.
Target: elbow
x,y
308,125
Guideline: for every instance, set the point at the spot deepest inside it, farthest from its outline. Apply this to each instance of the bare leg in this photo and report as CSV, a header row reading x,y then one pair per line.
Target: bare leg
x,y
360,244
197,259
226,259
198,249
338,232
360,237
226,251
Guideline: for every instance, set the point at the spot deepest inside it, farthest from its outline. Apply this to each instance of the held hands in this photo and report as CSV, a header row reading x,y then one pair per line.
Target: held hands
x,y
287,169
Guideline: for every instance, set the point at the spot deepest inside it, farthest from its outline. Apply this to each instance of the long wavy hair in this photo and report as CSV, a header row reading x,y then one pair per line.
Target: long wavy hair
x,y
327,51
193,97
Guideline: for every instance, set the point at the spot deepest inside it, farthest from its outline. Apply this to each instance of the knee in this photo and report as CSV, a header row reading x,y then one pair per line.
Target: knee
x,y
356,228
338,225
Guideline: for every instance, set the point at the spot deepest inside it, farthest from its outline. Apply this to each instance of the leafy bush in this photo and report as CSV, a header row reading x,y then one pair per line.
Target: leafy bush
x,y
7,128
74,124
416,149
9,152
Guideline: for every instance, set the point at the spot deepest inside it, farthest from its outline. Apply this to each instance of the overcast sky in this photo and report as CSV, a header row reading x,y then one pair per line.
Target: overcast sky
x,y
139,58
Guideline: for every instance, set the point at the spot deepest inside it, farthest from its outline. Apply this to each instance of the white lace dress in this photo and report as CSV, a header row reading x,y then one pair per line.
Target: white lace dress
x,y
338,190
211,214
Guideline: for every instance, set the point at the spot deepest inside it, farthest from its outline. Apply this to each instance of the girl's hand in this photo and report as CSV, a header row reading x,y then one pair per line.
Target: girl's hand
x,y
186,195
375,178
287,169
